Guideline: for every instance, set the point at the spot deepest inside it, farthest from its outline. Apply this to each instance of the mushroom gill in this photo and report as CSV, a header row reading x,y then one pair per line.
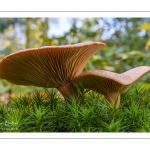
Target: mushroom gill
x,y
49,66
110,84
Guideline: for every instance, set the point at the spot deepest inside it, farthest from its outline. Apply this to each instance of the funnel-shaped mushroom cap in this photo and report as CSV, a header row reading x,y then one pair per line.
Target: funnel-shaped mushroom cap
x,y
49,66
106,82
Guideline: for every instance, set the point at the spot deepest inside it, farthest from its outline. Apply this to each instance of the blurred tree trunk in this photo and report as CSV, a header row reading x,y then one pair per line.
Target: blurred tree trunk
x,y
37,32
28,32
45,27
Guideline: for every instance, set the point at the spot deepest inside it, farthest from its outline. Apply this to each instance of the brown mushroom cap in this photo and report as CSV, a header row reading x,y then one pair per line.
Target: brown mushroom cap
x,y
49,66
105,81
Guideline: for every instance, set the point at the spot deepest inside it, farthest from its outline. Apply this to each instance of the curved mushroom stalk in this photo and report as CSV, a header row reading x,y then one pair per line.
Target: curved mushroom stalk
x,y
111,84
68,89
49,66
113,98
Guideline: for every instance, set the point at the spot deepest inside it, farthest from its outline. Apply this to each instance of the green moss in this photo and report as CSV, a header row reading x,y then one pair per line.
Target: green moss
x,y
50,113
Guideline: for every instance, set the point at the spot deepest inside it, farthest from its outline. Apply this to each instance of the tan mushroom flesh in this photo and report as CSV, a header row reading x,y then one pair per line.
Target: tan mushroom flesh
x,y
49,66
110,84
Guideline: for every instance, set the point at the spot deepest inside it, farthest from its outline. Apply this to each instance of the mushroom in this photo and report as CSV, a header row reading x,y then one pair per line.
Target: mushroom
x,y
49,66
110,84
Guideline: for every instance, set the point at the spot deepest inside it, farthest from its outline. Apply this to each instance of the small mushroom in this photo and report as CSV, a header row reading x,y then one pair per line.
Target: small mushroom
x,y
110,84
49,66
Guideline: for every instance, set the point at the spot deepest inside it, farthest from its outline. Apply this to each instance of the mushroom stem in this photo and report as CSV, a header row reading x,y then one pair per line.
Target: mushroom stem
x,y
68,89
113,98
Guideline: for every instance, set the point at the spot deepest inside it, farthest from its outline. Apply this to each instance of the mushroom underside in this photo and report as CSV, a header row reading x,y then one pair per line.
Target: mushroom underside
x,y
110,84
109,88
50,66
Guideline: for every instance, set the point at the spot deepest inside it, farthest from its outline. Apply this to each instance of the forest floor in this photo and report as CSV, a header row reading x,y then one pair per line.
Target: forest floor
x,y
50,113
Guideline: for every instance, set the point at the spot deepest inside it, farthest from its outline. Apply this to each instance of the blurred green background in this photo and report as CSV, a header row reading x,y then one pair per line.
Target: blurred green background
x,y
127,39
